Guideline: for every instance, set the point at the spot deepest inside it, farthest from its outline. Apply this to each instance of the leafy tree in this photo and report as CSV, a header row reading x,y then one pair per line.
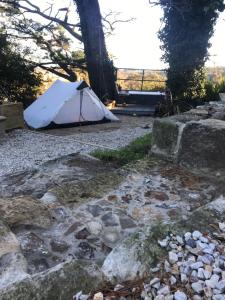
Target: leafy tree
x,y
18,81
55,34
188,26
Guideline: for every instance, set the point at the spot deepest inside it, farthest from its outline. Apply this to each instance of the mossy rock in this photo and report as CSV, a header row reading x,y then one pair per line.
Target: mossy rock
x,y
87,189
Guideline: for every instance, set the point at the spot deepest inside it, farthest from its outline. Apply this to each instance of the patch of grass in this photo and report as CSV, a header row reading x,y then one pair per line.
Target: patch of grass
x,y
136,150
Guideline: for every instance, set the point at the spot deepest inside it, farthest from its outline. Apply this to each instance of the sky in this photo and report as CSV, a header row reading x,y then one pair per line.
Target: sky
x,y
135,44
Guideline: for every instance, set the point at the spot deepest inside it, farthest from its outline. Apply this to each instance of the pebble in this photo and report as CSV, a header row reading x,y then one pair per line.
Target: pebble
x,y
197,265
196,235
180,295
213,281
197,286
98,296
191,243
221,286
164,243
164,290
187,236
173,280
173,258
222,226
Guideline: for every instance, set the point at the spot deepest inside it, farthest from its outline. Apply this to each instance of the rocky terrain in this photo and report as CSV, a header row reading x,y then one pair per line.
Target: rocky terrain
x,y
75,227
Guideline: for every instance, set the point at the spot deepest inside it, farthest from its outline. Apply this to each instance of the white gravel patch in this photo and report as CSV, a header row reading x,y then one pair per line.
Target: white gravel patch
x,y
23,149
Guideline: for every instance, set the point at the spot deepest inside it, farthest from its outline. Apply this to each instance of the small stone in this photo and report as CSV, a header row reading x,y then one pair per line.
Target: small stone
x,y
98,296
59,246
159,297
206,259
82,234
154,270
208,292
110,219
221,286
173,280
217,270
213,281
180,240
169,297
180,295
173,258
194,276
164,243
196,235
164,290
218,297
222,226
94,227
118,287
204,239
197,286
154,281
187,236
183,278
201,273
197,265
191,243
167,266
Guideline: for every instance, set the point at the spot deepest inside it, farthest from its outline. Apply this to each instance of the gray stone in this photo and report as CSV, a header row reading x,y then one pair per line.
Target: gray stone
x,y
178,295
82,234
165,137
197,286
110,219
59,246
127,223
213,281
95,210
202,144
191,243
221,286
197,265
173,258
196,235
164,290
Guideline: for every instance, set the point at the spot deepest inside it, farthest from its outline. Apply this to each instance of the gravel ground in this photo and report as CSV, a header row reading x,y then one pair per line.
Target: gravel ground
x,y
25,149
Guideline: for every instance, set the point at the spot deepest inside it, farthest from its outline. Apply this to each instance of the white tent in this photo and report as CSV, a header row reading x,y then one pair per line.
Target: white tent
x,y
65,103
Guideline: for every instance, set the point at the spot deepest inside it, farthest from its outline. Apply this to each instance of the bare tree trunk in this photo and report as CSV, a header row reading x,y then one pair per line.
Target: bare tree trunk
x,y
100,68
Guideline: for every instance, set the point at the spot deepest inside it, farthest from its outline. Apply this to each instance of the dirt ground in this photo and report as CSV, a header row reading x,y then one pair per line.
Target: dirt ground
x,y
125,122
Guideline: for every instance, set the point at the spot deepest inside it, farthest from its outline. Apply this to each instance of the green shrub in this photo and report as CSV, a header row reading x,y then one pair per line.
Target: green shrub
x,y
137,149
213,90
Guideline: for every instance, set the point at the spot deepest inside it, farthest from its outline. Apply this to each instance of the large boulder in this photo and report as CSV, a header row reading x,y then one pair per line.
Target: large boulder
x,y
202,144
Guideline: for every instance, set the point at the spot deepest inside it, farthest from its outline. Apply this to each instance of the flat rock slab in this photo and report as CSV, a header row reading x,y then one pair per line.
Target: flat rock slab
x,y
38,180
202,144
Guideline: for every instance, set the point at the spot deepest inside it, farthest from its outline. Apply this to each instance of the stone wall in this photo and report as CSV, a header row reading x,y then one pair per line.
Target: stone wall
x,y
194,139
2,127
14,115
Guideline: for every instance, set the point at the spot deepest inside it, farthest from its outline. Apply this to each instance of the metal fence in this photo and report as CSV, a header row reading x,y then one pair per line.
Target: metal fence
x,y
141,79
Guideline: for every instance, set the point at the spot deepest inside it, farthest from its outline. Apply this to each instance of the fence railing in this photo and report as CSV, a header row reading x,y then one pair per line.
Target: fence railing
x,y
141,79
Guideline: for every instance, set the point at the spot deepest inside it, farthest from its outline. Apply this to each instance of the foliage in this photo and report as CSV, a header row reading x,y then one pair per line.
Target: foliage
x,y
188,26
137,149
18,81
213,90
